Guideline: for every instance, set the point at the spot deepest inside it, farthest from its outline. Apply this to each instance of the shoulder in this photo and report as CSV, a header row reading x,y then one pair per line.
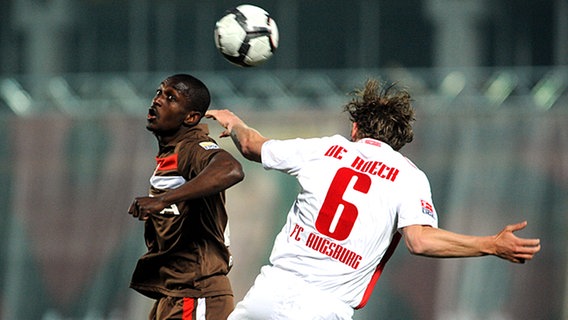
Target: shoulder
x,y
293,153
196,149
414,177
303,143
197,139
299,148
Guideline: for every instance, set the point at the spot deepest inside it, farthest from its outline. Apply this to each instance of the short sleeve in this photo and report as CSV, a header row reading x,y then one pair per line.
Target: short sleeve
x,y
416,207
285,155
195,156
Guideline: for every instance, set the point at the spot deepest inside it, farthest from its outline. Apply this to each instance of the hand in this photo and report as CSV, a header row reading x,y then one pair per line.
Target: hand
x,y
225,118
515,249
143,207
248,140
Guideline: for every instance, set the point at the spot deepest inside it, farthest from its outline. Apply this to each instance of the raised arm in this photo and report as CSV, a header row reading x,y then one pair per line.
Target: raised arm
x,y
248,140
440,243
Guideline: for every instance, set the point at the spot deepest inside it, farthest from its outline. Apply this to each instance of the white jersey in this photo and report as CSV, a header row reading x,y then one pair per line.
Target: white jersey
x,y
354,198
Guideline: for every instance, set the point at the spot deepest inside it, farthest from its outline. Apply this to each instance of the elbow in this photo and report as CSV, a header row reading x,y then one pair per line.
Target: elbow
x,y
251,156
246,151
239,175
229,173
236,174
249,144
250,151
419,241
416,246
415,249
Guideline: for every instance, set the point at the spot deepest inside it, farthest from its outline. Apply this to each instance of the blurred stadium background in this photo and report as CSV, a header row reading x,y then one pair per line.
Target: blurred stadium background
x,y
490,83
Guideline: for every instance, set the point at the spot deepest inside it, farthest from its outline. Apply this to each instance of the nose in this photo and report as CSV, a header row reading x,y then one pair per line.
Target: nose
x,y
156,100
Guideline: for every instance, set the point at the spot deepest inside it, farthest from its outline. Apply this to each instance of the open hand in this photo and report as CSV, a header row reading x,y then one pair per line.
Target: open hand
x,y
510,247
225,118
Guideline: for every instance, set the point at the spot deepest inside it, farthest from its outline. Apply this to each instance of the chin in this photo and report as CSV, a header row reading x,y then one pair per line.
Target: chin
x,y
150,127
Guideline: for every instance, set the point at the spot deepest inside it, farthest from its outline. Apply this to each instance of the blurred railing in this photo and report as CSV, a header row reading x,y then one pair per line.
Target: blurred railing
x,y
91,94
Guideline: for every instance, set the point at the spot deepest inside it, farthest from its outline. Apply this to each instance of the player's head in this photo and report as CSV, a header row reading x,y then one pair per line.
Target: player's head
x,y
196,93
382,112
180,101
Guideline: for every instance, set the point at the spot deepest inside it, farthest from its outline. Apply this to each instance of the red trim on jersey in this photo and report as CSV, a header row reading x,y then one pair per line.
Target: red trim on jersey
x,y
167,163
379,270
188,306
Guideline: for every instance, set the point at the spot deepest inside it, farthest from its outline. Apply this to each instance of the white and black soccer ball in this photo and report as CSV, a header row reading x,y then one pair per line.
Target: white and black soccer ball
x,y
246,35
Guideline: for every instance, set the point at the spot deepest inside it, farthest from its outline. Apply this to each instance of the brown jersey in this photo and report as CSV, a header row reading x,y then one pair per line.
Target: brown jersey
x,y
187,250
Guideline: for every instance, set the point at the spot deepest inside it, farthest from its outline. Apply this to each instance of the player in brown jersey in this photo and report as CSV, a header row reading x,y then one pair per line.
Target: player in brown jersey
x,y
185,268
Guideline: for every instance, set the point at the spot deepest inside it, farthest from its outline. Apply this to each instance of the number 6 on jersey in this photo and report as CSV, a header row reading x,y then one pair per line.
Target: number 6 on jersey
x,y
337,216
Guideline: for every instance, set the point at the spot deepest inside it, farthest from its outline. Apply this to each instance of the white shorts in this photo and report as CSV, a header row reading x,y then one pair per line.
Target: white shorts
x,y
280,295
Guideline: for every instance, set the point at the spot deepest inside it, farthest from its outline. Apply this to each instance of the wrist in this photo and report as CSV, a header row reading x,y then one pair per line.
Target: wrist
x,y
234,125
489,245
163,199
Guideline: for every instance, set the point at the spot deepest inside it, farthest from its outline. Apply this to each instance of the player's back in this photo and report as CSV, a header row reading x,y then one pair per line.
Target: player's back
x,y
345,219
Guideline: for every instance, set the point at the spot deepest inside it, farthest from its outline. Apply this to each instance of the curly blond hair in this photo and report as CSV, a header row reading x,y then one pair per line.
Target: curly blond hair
x,y
382,112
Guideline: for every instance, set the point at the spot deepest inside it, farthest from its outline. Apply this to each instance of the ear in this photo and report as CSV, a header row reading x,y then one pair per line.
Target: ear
x,y
354,130
192,118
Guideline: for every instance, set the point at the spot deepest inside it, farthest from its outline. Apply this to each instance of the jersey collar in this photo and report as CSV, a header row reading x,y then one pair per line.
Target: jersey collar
x,y
193,131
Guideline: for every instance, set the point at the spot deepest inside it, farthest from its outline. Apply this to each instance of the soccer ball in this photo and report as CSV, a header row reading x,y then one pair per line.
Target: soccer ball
x,y
246,35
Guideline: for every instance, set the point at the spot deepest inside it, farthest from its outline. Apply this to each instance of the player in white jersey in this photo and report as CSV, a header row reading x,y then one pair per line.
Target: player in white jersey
x,y
358,198
354,198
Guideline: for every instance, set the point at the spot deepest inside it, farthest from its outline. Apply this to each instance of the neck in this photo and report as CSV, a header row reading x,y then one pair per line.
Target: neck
x,y
165,138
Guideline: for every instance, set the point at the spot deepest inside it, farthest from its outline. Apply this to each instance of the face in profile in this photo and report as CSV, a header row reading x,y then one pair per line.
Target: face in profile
x,y
169,109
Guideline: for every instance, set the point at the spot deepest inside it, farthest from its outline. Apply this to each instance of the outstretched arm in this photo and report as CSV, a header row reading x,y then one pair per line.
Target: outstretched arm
x,y
248,140
440,243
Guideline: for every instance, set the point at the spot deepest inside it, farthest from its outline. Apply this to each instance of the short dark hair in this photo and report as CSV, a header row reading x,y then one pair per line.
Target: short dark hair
x,y
382,112
193,89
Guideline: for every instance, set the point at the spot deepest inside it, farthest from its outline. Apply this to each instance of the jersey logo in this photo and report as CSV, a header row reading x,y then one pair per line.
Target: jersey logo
x,y
427,208
208,145
172,210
